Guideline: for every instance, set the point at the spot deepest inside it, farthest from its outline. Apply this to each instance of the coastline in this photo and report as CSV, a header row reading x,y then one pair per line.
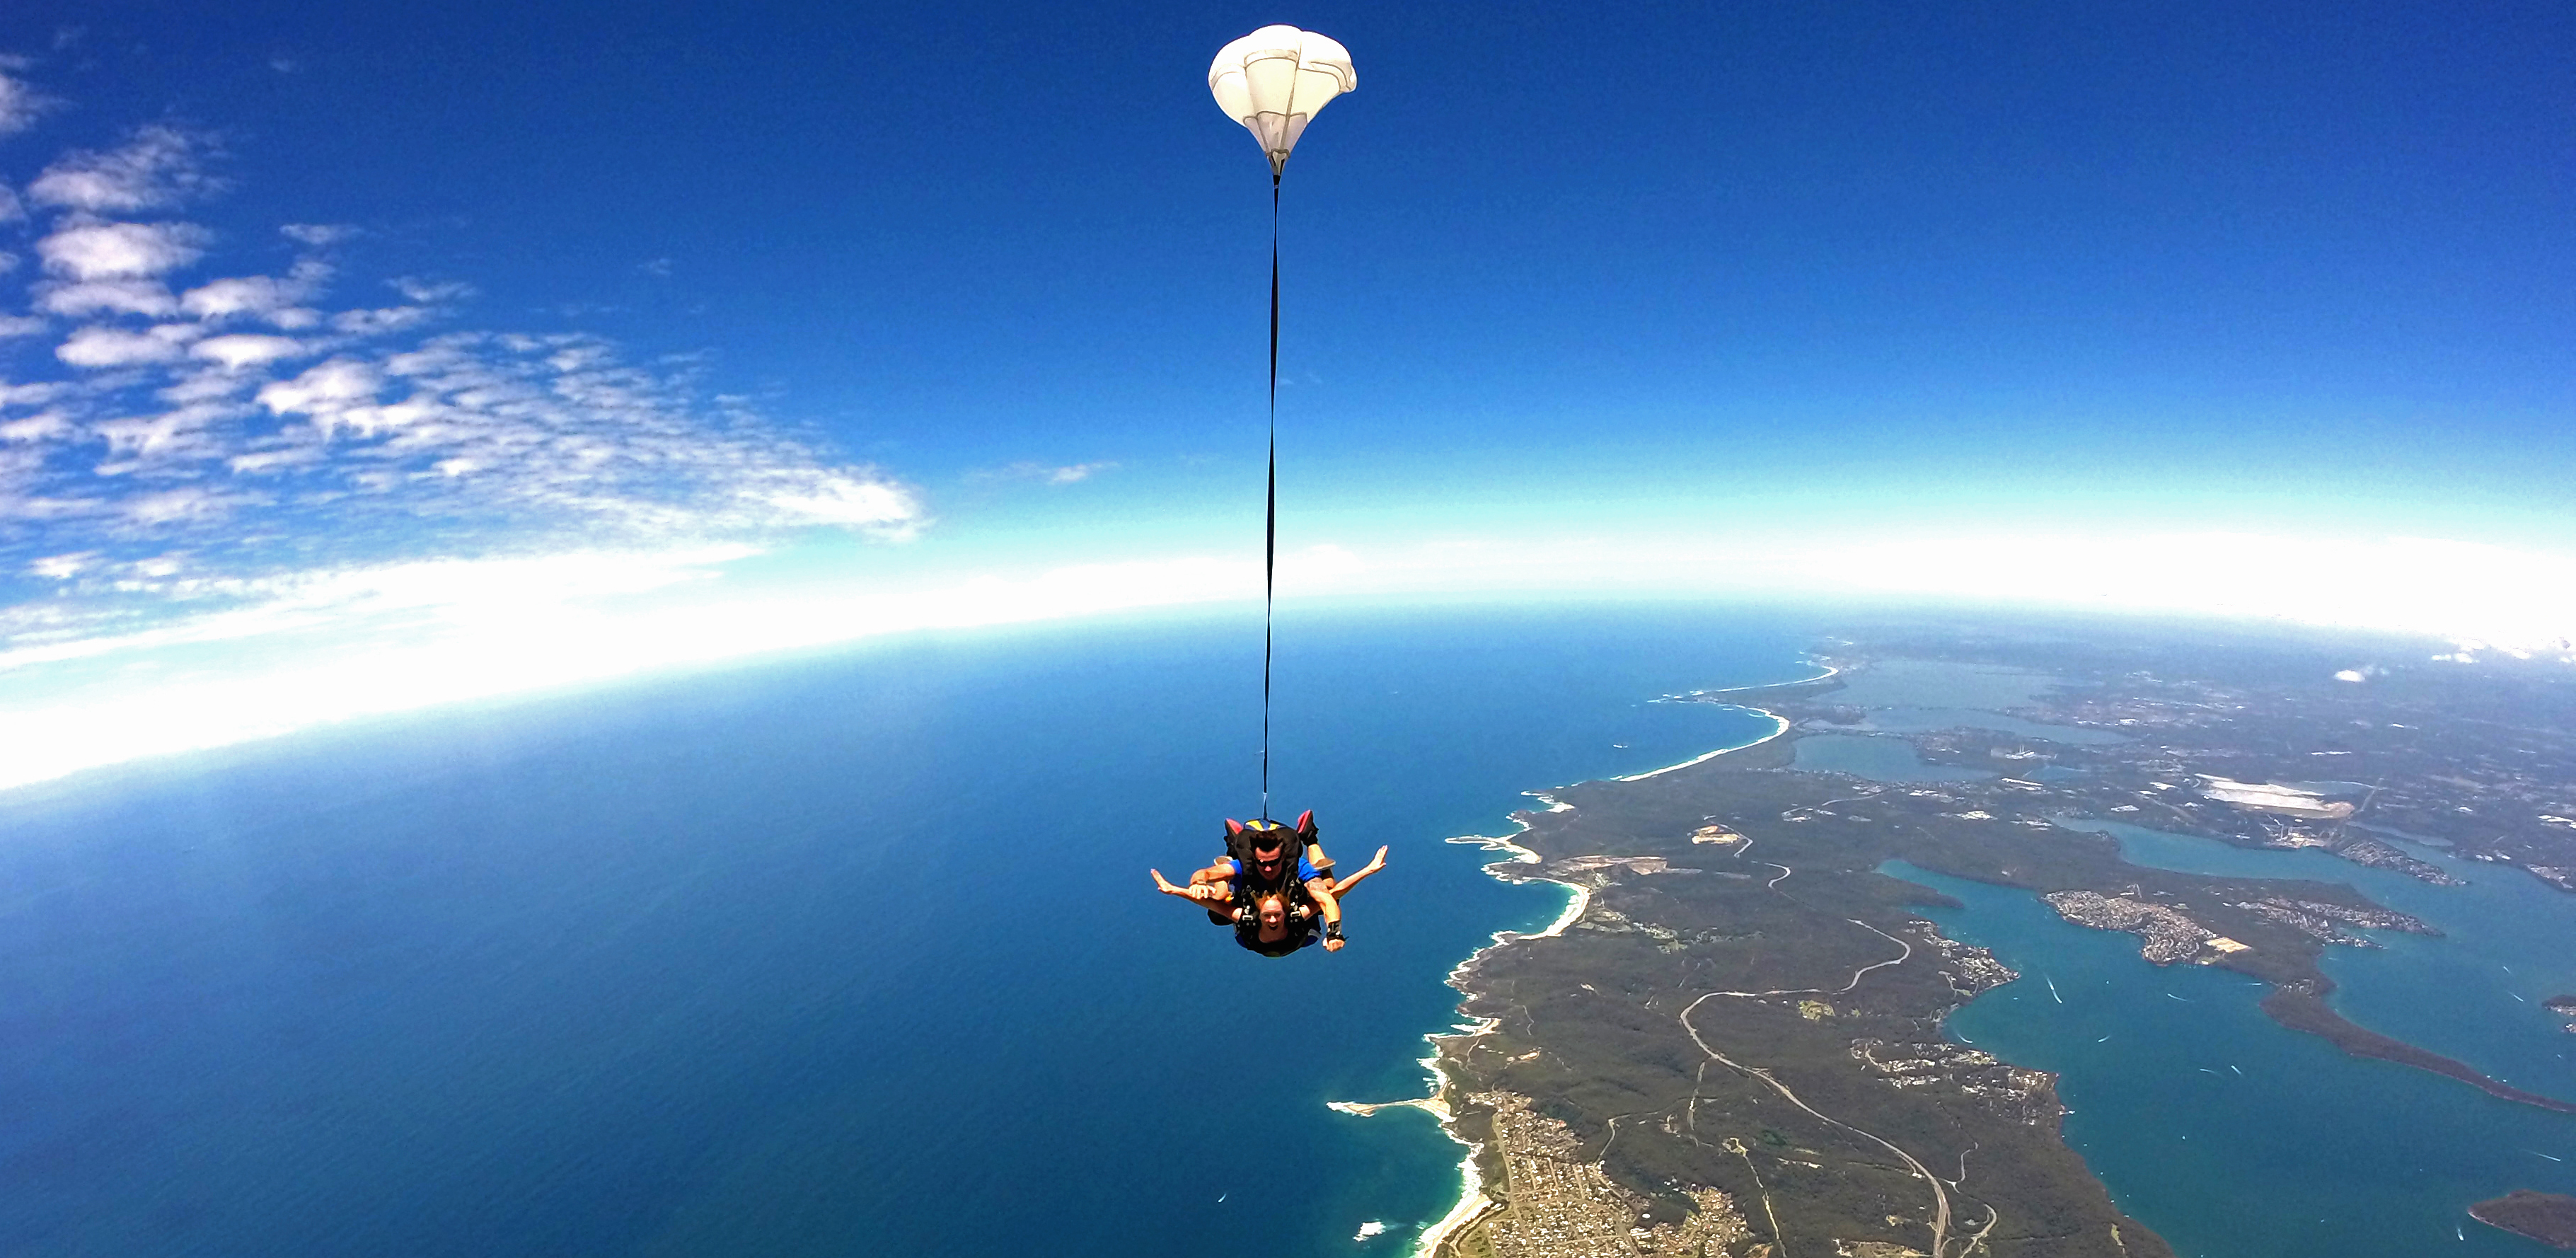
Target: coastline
x,y
1472,1201
1831,671
1618,1037
1784,728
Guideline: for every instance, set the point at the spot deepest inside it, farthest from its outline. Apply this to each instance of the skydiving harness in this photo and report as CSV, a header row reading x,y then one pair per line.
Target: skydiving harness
x,y
1240,839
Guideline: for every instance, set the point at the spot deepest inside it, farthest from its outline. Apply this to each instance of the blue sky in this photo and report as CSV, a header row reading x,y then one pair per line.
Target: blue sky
x,y
860,302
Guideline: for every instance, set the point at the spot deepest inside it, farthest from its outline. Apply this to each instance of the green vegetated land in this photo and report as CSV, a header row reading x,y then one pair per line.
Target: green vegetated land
x,y
1721,1015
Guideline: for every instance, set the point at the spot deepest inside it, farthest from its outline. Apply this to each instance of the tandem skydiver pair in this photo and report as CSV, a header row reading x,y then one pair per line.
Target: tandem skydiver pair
x,y
1274,886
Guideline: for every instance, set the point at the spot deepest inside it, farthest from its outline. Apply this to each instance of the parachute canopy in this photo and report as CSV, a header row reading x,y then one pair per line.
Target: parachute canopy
x,y
1275,80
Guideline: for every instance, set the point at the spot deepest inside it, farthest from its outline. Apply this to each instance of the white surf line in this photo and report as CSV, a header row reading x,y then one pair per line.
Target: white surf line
x,y
1431,1105
1472,1204
1780,722
1830,671
2052,988
1472,1201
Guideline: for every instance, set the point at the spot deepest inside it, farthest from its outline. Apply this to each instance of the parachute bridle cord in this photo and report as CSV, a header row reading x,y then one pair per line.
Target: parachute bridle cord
x,y
1270,514
1274,81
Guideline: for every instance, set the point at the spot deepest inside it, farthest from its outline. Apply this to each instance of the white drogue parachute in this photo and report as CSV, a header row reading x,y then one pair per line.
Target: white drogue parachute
x,y
1275,80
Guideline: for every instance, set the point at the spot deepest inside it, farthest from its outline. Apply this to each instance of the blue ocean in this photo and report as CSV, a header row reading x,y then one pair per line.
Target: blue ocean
x,y
855,953
845,954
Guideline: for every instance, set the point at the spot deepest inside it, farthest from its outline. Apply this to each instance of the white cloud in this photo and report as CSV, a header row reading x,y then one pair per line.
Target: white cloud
x,y
361,642
259,296
1072,473
2524,600
115,347
1049,473
333,645
325,392
40,427
826,497
317,235
19,105
458,439
191,503
134,441
88,249
149,298
241,350
159,167
381,322
199,479
61,567
429,292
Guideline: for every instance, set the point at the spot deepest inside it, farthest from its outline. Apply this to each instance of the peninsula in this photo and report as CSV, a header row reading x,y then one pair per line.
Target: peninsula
x,y
1733,1042
2547,1217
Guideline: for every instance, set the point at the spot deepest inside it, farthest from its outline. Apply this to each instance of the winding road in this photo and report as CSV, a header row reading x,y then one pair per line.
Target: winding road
x,y
1944,1245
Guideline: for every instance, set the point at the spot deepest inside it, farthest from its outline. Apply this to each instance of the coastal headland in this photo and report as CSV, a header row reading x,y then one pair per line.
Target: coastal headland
x,y
1732,1041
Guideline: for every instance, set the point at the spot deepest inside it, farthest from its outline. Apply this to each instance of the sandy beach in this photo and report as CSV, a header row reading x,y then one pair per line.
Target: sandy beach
x,y
1472,1201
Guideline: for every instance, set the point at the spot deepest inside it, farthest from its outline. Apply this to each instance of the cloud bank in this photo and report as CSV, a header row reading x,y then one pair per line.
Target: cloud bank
x,y
372,641
186,441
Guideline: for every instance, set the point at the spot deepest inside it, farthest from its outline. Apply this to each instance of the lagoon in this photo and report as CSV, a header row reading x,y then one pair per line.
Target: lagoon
x,y
1876,759
2225,1132
2474,995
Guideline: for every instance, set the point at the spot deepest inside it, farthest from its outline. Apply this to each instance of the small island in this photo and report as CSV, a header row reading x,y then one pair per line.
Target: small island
x,y
2547,1217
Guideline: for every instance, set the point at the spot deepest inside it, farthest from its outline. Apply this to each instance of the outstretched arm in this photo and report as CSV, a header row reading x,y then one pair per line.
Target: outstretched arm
x,y
1342,886
1322,890
1196,893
